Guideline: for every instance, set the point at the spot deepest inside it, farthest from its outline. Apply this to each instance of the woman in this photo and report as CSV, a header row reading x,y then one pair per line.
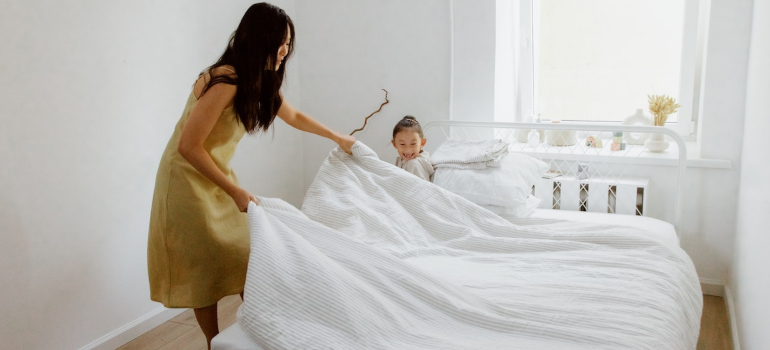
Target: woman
x,y
199,241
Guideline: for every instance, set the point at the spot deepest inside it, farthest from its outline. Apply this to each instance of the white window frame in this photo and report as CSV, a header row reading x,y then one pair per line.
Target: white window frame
x,y
524,39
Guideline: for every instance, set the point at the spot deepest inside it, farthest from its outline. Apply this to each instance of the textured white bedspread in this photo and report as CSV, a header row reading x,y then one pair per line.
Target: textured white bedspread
x,y
379,259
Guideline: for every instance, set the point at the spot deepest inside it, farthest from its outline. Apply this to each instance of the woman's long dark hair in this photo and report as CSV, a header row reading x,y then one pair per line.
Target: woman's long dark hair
x,y
253,51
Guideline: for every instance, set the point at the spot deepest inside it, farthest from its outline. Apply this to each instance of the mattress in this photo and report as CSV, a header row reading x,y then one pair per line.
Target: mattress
x,y
235,338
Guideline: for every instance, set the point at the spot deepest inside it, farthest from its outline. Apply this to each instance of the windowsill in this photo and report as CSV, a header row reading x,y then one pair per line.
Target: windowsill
x,y
694,159
632,155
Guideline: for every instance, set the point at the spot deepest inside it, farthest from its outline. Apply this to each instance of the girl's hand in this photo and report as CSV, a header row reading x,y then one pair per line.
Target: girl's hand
x,y
242,199
346,142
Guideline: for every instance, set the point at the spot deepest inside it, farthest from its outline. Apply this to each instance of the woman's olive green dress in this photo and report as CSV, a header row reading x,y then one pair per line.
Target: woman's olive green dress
x,y
198,245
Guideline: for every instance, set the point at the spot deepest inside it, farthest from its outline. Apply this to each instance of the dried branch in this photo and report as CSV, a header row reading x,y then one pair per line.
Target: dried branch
x,y
373,113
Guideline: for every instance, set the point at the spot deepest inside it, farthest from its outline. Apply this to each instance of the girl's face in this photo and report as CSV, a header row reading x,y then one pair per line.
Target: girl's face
x,y
408,143
283,50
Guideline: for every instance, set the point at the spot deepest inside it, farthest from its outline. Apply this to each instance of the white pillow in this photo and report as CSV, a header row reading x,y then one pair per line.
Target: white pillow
x,y
508,186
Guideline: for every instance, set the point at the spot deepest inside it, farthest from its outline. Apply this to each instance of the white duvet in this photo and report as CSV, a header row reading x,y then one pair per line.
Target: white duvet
x,y
380,259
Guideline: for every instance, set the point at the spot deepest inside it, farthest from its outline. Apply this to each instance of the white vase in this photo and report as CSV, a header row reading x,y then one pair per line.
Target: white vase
x,y
633,138
522,135
657,143
561,137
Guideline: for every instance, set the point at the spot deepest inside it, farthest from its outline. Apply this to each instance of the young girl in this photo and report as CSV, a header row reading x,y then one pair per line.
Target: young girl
x,y
198,246
409,141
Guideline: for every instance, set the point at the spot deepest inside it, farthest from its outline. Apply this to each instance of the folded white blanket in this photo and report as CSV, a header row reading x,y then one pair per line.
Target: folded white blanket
x,y
494,163
380,259
467,154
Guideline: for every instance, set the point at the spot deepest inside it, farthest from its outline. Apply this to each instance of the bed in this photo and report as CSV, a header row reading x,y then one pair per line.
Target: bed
x,y
661,313
235,338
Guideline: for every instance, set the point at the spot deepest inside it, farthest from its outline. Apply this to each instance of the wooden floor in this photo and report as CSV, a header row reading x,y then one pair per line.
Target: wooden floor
x,y
714,325
182,332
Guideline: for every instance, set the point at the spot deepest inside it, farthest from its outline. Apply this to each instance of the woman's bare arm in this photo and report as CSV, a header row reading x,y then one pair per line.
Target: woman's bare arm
x,y
304,122
198,127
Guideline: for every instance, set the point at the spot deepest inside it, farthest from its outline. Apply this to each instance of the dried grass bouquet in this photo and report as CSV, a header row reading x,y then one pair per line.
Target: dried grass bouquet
x,y
661,106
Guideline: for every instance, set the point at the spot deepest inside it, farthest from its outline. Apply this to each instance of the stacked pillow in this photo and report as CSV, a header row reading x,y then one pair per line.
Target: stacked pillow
x,y
504,190
470,154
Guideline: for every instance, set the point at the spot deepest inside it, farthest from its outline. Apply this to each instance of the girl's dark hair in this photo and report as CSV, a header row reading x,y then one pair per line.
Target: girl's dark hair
x,y
253,53
407,123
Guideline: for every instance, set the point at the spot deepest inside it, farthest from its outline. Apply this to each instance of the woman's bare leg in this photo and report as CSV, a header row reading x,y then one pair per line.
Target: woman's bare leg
x,y
207,319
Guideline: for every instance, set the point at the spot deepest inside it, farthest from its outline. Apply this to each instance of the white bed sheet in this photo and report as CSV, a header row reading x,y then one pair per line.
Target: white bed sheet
x,y
236,338
658,229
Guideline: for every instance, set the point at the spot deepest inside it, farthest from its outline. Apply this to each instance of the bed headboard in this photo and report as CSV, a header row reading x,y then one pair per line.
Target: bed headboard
x,y
590,169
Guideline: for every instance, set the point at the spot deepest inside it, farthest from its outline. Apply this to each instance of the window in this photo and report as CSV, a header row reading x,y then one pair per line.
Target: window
x,y
596,60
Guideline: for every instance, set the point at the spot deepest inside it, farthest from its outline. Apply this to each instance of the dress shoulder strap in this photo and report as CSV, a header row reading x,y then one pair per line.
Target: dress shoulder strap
x,y
227,69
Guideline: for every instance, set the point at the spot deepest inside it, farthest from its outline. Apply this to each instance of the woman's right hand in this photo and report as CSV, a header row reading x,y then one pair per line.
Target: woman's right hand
x,y
242,199
346,142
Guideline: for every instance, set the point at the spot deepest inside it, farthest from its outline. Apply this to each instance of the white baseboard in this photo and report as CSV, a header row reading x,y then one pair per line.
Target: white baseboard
x,y
731,313
712,287
125,334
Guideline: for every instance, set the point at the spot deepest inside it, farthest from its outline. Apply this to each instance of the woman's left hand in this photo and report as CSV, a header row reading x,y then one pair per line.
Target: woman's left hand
x,y
346,142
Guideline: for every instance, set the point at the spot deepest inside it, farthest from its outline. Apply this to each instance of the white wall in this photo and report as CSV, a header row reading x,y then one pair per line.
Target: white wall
x,y
91,92
712,196
351,49
750,277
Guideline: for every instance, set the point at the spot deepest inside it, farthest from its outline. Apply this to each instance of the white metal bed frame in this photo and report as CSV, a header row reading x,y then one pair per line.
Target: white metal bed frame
x,y
604,162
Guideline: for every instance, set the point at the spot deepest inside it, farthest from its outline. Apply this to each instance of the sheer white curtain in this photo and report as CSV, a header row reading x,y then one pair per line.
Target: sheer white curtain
x,y
514,61
506,48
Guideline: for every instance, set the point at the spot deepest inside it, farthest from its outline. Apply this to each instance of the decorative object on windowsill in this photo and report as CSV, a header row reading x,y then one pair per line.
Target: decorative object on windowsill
x,y
661,106
522,135
594,141
634,138
582,171
657,143
617,137
561,137
617,141
533,139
